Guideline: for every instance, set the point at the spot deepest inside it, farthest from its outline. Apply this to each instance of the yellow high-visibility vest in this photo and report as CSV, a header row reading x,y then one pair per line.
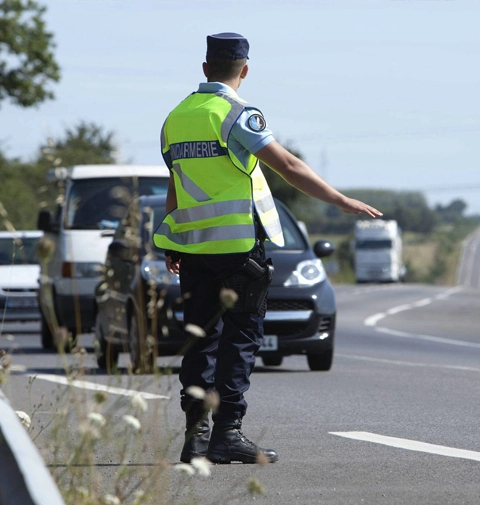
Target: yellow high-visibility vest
x,y
216,194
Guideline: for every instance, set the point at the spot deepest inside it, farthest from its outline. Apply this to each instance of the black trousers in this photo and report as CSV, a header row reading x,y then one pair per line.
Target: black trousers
x,y
223,360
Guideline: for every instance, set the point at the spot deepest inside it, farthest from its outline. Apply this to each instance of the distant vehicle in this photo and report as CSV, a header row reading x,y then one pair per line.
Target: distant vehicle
x,y
19,273
301,307
82,226
378,251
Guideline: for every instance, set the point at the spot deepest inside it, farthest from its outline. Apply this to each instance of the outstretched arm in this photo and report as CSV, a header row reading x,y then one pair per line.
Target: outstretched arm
x,y
298,174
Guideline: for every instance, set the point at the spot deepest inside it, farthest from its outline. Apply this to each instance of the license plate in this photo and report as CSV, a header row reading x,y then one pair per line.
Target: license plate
x,y
270,343
22,303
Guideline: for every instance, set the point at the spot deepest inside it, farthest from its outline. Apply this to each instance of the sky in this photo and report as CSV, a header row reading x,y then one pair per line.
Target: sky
x,y
378,94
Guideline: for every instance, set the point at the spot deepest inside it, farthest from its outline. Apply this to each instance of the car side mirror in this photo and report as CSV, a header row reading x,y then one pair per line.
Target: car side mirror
x,y
44,220
323,248
119,249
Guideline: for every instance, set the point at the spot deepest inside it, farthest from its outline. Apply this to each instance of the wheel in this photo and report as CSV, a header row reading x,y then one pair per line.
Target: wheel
x,y
142,358
321,362
107,353
272,360
46,334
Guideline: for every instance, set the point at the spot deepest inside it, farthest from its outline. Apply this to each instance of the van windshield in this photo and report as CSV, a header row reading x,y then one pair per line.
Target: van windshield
x,y
374,244
96,204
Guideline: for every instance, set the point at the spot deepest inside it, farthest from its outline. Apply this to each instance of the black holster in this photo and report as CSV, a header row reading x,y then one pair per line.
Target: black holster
x,y
251,285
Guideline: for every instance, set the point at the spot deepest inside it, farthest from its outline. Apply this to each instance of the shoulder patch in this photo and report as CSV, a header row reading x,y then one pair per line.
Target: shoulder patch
x,y
256,123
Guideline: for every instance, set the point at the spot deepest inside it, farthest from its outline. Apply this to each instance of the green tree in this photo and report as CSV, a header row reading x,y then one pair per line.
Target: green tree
x,y
27,63
453,212
84,144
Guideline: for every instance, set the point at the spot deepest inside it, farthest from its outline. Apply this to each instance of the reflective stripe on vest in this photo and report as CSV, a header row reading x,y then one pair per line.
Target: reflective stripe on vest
x,y
215,193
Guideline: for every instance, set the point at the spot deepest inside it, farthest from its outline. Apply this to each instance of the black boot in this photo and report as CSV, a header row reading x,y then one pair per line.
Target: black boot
x,y
197,434
228,444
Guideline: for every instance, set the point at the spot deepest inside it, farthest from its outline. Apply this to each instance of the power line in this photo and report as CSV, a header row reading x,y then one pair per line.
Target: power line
x,y
425,133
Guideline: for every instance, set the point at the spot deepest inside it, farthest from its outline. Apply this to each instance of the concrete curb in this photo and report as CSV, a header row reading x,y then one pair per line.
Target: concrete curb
x,y
24,478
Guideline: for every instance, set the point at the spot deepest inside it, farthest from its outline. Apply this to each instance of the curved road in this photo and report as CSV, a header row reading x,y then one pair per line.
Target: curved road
x,y
394,422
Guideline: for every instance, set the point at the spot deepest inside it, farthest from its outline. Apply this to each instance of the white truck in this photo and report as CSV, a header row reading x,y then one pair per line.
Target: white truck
x,y
82,227
378,253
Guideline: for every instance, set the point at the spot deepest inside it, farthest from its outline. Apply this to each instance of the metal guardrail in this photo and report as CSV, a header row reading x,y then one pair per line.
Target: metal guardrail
x,y
24,477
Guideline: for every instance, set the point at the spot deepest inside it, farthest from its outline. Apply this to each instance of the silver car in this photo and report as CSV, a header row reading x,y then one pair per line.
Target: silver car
x,y
19,274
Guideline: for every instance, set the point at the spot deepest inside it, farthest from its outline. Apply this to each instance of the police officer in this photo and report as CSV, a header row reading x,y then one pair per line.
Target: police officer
x,y
219,212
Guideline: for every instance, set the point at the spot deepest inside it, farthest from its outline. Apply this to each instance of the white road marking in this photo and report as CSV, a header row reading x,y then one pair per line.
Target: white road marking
x,y
407,363
372,321
409,445
97,387
430,338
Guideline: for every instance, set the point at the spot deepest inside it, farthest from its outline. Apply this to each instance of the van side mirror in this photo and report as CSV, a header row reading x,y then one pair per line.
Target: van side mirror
x,y
323,248
44,220
119,249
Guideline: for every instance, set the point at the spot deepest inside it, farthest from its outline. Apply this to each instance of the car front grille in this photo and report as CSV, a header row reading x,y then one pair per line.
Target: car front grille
x,y
275,305
285,328
293,319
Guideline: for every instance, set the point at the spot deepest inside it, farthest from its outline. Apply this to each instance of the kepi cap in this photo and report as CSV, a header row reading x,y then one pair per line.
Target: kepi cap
x,y
227,46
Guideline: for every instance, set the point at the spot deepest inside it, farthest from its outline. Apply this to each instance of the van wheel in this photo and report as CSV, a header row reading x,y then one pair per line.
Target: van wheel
x,y
106,352
320,362
46,334
141,357
272,360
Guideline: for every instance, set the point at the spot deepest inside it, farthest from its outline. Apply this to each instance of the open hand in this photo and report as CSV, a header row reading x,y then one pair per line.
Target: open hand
x,y
352,206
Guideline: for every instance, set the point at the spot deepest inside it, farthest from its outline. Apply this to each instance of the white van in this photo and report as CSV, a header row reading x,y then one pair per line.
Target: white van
x,y
82,226
378,251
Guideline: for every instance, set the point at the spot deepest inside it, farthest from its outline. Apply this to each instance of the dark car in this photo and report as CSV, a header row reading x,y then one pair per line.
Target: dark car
x,y
139,305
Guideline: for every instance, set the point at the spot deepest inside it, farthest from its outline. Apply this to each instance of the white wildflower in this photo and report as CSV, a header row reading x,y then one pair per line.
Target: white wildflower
x,y
212,401
132,421
139,495
88,429
83,492
197,392
110,499
183,467
195,330
228,297
138,401
202,466
97,419
24,418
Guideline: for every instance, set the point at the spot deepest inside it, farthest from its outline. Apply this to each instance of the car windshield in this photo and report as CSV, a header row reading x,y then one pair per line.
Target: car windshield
x,y
152,217
18,251
101,203
374,244
294,238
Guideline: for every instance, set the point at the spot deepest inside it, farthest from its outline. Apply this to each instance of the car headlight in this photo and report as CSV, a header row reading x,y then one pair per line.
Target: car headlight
x,y
81,270
307,273
157,272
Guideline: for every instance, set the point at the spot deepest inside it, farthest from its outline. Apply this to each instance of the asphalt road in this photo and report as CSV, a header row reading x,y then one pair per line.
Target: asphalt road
x,y
406,373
